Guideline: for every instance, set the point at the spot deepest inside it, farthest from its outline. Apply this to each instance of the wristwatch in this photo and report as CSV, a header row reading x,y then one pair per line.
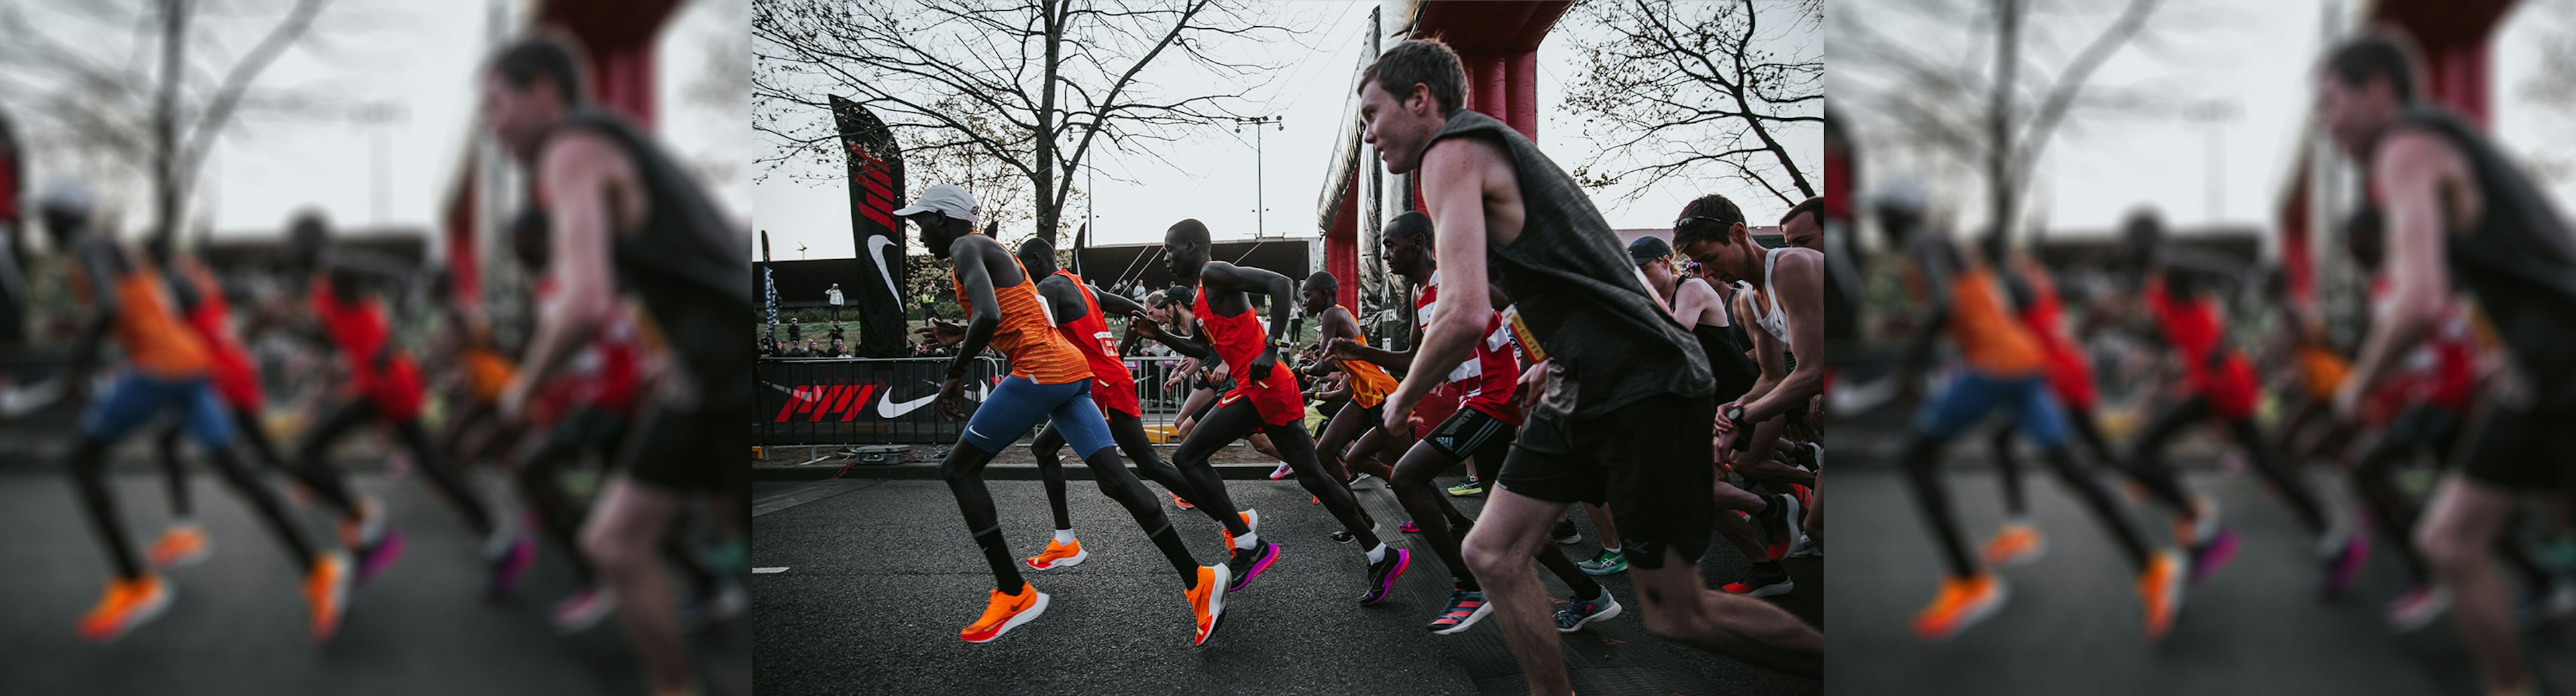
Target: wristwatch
x,y
1734,414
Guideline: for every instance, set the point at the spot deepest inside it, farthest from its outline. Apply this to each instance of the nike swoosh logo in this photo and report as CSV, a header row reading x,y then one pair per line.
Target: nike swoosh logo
x,y
876,246
890,409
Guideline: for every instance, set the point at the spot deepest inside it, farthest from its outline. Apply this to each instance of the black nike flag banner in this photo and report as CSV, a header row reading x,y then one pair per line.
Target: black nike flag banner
x,y
876,190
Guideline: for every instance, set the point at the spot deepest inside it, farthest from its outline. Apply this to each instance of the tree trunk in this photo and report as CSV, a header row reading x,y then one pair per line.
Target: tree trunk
x,y
1045,179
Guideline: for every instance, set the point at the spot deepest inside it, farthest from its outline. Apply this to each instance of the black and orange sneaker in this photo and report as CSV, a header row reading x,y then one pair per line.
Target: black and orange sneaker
x,y
1005,612
2161,588
1465,608
326,591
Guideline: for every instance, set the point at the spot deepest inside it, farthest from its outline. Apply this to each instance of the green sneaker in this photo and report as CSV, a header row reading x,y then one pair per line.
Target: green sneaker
x,y
1471,487
1608,563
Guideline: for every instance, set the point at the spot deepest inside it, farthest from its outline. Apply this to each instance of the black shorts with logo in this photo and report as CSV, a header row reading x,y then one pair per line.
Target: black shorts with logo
x,y
1648,461
1473,433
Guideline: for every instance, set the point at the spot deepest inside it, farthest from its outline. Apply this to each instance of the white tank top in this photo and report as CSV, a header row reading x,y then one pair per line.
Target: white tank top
x,y
1774,322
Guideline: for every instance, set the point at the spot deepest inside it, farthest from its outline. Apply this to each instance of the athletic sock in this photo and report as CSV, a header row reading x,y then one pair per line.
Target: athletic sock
x,y
1609,549
1170,542
1378,553
1006,575
1064,536
1248,540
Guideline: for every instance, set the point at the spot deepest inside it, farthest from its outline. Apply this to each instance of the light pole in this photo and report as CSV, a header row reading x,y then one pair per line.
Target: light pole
x,y
1260,209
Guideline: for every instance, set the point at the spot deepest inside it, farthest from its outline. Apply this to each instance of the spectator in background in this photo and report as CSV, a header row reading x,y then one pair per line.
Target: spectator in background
x,y
837,350
833,296
813,349
795,332
836,333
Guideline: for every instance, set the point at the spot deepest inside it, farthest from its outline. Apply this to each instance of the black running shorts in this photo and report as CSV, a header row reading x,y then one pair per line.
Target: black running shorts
x,y
692,450
1648,461
2520,448
1470,432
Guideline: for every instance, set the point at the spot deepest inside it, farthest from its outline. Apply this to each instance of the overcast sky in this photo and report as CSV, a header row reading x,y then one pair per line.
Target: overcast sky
x,y
1211,175
2257,57
422,56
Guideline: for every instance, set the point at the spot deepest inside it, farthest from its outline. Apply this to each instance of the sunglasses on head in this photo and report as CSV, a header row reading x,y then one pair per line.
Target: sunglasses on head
x,y
1688,219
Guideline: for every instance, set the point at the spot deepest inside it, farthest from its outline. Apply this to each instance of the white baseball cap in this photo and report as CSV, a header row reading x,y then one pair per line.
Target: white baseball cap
x,y
947,199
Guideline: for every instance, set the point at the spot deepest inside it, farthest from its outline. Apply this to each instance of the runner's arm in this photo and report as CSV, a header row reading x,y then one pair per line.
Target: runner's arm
x,y
1927,333
983,311
1803,275
1063,299
2411,167
578,168
1335,323
1276,287
1453,173
99,275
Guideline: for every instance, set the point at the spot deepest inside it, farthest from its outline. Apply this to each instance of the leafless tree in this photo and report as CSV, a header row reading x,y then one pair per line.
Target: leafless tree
x,y
180,82
1989,111
1677,89
984,90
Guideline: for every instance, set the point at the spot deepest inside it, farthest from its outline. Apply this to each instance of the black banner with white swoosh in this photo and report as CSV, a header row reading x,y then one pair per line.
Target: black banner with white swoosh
x,y
861,402
876,190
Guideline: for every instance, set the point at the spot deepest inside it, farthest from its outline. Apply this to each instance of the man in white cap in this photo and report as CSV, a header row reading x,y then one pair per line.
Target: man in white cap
x,y
1051,381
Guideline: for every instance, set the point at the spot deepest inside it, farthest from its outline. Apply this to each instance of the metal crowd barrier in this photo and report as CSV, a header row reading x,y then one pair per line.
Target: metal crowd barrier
x,y
886,401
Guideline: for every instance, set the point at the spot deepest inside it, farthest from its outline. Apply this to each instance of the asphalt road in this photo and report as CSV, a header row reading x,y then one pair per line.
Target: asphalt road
x,y
237,623
878,575
2073,623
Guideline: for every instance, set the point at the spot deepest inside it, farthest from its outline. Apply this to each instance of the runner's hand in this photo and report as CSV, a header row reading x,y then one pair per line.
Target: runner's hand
x,y
942,334
1147,326
1338,349
950,403
1533,385
1399,413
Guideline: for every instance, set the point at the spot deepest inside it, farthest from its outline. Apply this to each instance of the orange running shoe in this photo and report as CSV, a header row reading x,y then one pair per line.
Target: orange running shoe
x,y
1059,555
127,604
180,546
326,590
1005,612
2161,587
1207,601
1962,603
2017,543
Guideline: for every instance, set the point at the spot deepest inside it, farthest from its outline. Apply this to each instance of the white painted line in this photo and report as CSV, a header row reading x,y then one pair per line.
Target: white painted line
x,y
766,571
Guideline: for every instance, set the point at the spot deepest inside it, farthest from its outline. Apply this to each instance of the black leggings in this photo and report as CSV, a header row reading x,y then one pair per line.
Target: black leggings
x,y
964,471
2150,448
1129,432
1923,468
89,475
1240,420
2159,481
1432,511
361,411
245,425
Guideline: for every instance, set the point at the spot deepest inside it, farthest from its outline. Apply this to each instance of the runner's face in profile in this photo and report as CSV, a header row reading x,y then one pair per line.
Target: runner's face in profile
x,y
2350,113
513,115
1398,127
1803,231
934,232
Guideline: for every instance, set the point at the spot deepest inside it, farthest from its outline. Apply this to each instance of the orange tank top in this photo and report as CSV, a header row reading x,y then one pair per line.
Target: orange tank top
x,y
1027,335
155,340
1988,337
1369,383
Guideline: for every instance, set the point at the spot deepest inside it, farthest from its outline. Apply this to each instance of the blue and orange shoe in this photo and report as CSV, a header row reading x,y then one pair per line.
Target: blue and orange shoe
x,y
1005,612
127,604
1409,527
1207,602
1382,575
1580,612
1465,608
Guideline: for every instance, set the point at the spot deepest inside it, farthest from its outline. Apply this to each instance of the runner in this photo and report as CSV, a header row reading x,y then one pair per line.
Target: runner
x,y
628,224
165,370
1368,382
2033,294
236,386
1632,436
1721,340
384,388
1049,381
1484,426
1114,389
2219,386
2457,209
1266,397
2003,367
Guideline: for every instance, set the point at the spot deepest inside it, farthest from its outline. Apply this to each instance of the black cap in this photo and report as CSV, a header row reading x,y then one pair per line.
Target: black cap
x,y
1647,249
